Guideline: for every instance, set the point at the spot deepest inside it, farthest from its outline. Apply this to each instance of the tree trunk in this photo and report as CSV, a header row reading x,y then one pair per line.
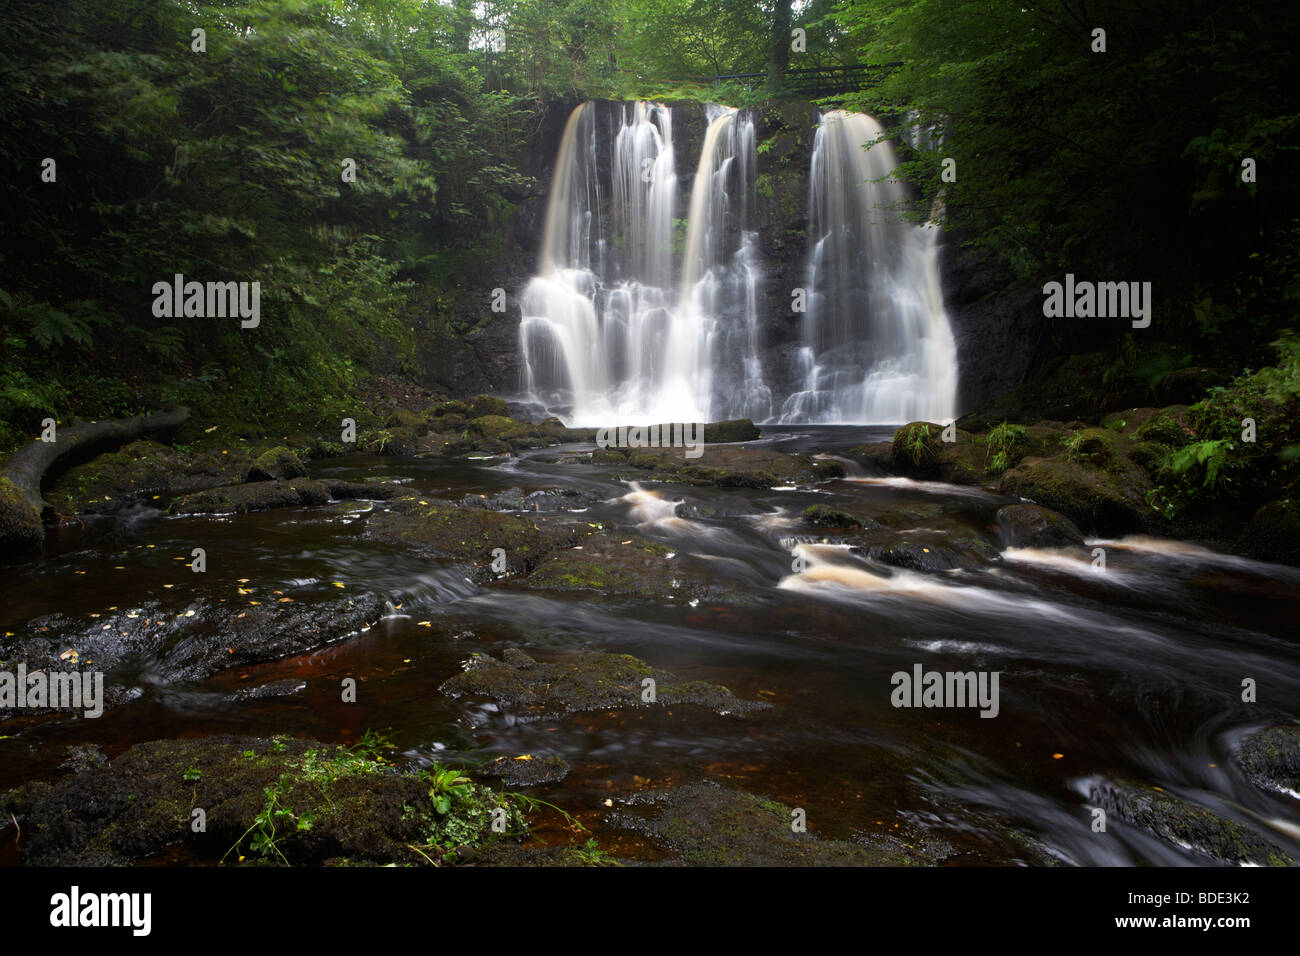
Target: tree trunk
x,y
21,505
778,60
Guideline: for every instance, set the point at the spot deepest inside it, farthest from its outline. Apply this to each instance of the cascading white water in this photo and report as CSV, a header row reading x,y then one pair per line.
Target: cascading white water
x,y
721,271
877,345
607,335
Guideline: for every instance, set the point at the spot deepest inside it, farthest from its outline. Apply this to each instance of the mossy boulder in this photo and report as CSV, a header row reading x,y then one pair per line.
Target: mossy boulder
x,y
276,464
145,470
727,466
405,418
494,426
876,457
587,681
467,534
709,825
628,565
481,405
827,517
1098,501
1273,533
527,770
1183,824
1099,446
1270,759
737,429
369,490
926,551
920,452
1032,526
336,803
454,407
1167,426
253,496
21,531
1128,421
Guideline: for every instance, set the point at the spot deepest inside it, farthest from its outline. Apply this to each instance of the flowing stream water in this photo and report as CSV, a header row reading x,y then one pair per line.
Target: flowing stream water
x,y
1129,674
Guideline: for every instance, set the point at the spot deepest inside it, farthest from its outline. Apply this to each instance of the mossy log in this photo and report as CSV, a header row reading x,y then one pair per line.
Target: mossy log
x,y
23,507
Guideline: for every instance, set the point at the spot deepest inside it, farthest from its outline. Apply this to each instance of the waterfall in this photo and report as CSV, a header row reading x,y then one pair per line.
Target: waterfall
x,y
877,346
635,317
721,272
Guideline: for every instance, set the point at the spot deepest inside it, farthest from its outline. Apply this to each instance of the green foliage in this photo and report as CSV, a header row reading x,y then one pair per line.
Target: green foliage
x,y
447,786
1206,458
1061,162
590,854
1214,465
272,824
916,442
1000,442
225,166
1281,383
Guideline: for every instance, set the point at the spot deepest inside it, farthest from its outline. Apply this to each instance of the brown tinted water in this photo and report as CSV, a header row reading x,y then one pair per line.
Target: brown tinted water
x,y
1132,673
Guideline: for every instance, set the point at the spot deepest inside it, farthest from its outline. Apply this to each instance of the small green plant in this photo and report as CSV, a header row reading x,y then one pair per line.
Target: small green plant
x,y
530,805
446,787
591,854
1072,442
194,773
999,444
271,826
917,443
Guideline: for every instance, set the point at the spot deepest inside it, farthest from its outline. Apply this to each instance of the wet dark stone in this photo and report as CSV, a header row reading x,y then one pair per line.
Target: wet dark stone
x,y
527,770
587,681
83,757
1270,759
279,688
253,496
1032,526
1183,824
709,825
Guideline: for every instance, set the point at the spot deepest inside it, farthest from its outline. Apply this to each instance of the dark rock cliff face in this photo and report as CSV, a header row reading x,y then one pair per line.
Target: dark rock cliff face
x,y
784,133
997,323
1000,331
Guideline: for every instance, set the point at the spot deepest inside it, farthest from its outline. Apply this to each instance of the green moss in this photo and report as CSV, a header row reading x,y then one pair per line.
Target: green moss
x,y
481,405
584,682
297,802
708,825
21,531
451,408
276,464
830,517
467,534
